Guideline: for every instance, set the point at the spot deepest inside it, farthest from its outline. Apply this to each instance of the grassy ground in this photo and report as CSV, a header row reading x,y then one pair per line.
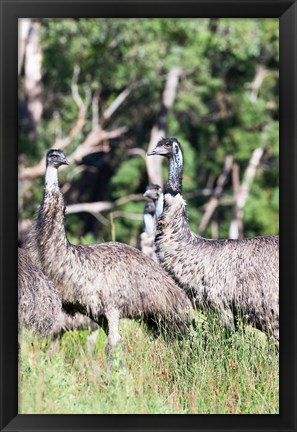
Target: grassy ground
x,y
204,374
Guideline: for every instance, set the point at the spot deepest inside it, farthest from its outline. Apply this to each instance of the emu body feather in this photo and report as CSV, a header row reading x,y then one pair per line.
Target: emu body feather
x,y
232,277
106,281
39,305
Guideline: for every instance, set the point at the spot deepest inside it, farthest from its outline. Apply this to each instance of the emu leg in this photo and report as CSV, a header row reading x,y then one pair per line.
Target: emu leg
x,y
114,338
229,322
91,341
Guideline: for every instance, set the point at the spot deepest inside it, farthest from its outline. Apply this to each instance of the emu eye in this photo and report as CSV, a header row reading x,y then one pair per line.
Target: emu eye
x,y
167,145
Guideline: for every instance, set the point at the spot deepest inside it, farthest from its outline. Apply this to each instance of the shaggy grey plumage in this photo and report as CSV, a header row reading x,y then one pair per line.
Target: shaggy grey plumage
x,y
229,276
66,322
39,305
147,237
106,281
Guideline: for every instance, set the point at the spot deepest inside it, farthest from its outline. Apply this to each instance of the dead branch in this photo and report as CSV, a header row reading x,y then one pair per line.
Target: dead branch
x,y
131,197
32,79
120,213
95,141
95,110
137,151
255,85
23,32
91,143
100,206
154,163
248,176
116,103
81,119
244,191
214,228
74,88
93,207
236,226
214,200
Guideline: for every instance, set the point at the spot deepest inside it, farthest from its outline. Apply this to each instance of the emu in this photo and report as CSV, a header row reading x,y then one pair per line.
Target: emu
x,y
231,277
67,322
39,305
105,282
147,238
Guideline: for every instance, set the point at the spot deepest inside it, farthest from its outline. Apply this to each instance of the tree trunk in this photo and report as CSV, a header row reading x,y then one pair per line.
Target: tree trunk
x,y
214,200
33,65
236,226
154,163
23,32
236,230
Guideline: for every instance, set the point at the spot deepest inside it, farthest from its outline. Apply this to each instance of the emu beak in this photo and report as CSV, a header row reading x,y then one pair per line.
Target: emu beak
x,y
148,194
64,161
159,150
153,152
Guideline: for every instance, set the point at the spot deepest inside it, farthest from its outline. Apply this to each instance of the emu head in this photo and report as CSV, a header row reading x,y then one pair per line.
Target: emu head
x,y
168,147
150,207
171,149
56,158
153,191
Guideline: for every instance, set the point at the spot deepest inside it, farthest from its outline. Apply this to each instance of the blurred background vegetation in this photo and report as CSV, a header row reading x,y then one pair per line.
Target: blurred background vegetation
x,y
102,90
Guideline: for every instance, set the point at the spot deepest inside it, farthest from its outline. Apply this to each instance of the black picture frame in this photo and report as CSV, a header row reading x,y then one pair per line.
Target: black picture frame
x,y
286,11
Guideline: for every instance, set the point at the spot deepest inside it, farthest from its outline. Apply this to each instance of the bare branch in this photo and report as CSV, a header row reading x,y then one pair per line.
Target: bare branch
x,y
94,142
97,140
116,103
98,135
100,218
154,163
214,200
236,226
137,151
23,32
244,190
100,206
74,88
81,119
32,78
248,176
131,197
214,228
120,213
256,84
93,207
95,111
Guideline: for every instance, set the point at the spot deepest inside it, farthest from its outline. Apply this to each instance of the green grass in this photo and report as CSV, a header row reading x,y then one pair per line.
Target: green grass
x,y
206,373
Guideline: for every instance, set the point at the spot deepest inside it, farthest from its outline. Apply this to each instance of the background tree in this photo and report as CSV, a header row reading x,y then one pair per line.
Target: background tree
x,y
109,86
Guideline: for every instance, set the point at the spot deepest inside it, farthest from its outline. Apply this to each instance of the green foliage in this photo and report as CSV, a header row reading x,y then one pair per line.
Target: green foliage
x,y
127,177
214,114
261,211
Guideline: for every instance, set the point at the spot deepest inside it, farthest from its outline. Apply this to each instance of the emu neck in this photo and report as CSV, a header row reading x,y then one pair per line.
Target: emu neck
x,y
175,174
149,224
51,178
176,219
159,206
52,240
